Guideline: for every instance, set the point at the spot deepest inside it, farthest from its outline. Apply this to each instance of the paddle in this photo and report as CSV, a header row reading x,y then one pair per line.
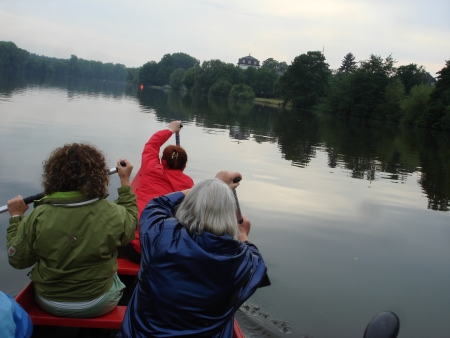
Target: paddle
x,y
177,136
238,208
384,325
29,199
265,281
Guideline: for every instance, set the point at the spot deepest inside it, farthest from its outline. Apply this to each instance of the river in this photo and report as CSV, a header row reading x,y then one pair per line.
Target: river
x,y
350,215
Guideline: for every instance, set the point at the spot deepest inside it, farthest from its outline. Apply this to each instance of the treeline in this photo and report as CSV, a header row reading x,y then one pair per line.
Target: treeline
x,y
214,77
372,88
17,59
368,149
376,89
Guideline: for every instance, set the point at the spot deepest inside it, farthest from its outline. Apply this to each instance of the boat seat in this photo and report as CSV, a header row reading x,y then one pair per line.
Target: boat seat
x,y
111,320
126,267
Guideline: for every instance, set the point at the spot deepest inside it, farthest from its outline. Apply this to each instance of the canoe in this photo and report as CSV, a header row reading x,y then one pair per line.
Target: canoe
x,y
46,324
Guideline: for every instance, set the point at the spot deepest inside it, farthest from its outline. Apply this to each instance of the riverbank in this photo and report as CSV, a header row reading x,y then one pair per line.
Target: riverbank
x,y
273,102
259,100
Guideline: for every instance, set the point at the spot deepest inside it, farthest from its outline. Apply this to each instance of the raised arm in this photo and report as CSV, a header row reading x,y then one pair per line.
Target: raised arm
x,y
127,199
226,176
150,154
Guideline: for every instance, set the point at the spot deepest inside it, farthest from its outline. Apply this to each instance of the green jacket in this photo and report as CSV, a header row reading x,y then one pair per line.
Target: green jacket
x,y
73,240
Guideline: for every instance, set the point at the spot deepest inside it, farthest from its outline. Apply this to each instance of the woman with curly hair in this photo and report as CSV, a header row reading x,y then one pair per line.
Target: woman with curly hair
x,y
73,233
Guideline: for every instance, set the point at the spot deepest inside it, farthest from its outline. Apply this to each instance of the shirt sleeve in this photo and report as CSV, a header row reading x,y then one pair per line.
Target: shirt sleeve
x,y
257,272
150,154
20,237
127,199
159,209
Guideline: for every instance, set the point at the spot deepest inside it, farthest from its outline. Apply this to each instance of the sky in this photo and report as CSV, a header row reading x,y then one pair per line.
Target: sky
x,y
134,32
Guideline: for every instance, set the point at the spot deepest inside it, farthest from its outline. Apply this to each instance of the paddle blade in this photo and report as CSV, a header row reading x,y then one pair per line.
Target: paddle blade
x,y
384,325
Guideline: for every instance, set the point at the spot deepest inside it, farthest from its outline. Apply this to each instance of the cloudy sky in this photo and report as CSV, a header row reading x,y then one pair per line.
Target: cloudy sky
x,y
134,32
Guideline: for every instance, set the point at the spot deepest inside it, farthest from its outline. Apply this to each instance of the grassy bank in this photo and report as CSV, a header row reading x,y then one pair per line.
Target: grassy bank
x,y
275,102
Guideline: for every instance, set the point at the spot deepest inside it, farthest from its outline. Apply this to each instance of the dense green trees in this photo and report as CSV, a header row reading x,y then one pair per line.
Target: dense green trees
x,y
261,80
376,89
12,57
415,105
438,112
147,72
189,77
368,85
241,92
221,88
158,74
348,64
214,71
412,75
367,90
96,69
305,80
372,88
274,65
133,75
216,78
212,77
176,77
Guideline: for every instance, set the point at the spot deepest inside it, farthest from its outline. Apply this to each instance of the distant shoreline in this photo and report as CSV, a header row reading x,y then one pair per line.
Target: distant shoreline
x,y
272,102
258,100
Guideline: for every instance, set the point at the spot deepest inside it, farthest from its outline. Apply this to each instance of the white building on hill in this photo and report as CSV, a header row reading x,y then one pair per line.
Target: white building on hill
x,y
248,61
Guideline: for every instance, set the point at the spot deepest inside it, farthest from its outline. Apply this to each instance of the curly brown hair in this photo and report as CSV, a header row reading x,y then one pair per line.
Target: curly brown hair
x,y
76,167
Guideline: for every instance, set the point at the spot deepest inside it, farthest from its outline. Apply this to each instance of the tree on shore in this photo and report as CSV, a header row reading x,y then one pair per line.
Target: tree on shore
x,y
305,80
411,75
176,78
241,92
221,88
348,64
438,112
274,65
158,74
147,73
415,104
368,85
189,77
12,57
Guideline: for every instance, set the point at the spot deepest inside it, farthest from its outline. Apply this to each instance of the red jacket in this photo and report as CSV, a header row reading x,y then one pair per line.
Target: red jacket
x,y
154,178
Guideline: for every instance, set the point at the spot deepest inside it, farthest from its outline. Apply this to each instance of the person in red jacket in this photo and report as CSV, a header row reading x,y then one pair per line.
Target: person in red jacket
x,y
158,177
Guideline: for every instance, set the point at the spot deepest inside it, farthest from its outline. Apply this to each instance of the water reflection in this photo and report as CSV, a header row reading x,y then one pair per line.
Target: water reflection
x,y
16,82
256,323
336,204
367,150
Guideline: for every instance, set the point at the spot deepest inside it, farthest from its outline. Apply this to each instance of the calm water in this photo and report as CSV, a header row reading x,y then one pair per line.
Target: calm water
x,y
351,216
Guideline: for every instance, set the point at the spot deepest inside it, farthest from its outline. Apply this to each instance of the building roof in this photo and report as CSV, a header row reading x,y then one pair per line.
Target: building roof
x,y
249,57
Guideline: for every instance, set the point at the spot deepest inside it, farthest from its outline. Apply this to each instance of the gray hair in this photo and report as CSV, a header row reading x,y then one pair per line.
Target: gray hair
x,y
209,206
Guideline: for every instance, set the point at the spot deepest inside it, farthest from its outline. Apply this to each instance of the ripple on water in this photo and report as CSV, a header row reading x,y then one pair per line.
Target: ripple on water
x,y
257,324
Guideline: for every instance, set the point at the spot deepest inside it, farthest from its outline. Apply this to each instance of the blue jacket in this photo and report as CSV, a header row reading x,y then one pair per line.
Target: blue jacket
x,y
14,321
188,285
